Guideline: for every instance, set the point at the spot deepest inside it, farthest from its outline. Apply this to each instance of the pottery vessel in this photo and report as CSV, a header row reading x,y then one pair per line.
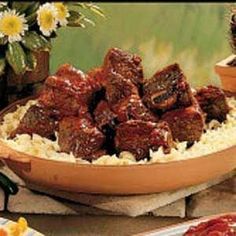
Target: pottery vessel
x,y
111,179
227,74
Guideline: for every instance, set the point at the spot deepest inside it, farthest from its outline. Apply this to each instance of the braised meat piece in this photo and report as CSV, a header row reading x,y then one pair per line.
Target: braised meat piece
x,y
126,64
213,102
98,75
37,120
69,92
138,137
104,116
80,137
73,74
133,109
167,89
61,103
119,89
186,124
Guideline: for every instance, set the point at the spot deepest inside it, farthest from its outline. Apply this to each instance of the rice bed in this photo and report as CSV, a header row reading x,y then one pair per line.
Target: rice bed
x,y
216,138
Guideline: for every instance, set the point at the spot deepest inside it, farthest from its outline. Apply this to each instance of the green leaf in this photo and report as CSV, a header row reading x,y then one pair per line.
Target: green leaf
x,y
31,13
16,58
31,19
76,24
75,18
22,7
3,8
89,21
74,15
33,8
31,61
97,10
3,40
2,65
33,41
92,7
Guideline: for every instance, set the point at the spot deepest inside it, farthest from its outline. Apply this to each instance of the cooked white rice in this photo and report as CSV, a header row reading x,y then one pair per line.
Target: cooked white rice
x,y
217,137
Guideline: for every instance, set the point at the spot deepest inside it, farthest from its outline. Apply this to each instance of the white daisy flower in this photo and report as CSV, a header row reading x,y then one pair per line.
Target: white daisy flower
x,y
62,13
12,25
47,18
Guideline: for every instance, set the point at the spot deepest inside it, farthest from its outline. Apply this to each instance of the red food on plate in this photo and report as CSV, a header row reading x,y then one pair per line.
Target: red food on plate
x,y
222,226
69,92
80,137
186,124
138,137
212,101
119,89
167,89
98,76
134,109
104,116
112,109
37,120
124,63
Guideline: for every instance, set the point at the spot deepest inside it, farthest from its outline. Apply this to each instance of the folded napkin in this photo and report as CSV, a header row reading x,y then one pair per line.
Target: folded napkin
x,y
62,202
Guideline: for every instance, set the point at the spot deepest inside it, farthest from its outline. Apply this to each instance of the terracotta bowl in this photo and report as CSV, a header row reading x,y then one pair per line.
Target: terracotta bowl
x,y
133,179
227,74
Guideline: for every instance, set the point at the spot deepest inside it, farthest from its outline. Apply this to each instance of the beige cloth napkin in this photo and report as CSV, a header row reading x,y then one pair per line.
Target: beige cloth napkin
x,y
159,204
131,205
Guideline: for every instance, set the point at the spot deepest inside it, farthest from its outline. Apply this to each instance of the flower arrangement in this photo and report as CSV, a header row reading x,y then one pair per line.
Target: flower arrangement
x,y
26,27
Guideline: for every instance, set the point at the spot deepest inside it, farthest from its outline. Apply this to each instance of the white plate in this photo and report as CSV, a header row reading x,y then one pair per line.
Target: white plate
x,y
180,229
29,231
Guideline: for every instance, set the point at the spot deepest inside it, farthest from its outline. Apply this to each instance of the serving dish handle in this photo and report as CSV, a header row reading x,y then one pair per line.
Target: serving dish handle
x,y
7,154
12,157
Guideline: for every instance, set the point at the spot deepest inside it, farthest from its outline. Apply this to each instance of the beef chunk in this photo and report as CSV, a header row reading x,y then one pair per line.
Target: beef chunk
x,y
167,89
103,115
98,76
126,64
37,120
62,103
78,78
138,137
69,92
133,109
186,124
212,101
80,137
119,89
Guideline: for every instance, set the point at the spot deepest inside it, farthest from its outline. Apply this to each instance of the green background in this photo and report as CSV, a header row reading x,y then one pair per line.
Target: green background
x,y
194,35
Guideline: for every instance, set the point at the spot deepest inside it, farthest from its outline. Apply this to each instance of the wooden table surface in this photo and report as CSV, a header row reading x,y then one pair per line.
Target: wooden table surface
x,y
93,225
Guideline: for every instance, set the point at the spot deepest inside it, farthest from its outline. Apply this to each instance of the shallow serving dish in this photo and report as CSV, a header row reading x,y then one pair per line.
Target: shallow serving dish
x,y
133,179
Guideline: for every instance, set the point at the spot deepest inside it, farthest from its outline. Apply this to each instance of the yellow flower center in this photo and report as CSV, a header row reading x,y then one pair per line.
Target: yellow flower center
x,y
11,25
46,19
61,10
